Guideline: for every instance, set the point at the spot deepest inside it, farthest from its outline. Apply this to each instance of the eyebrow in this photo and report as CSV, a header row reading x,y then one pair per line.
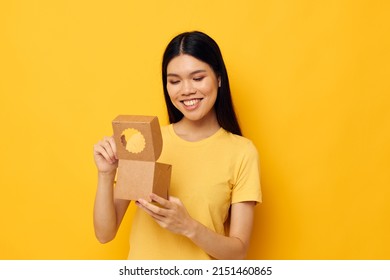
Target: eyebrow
x,y
192,73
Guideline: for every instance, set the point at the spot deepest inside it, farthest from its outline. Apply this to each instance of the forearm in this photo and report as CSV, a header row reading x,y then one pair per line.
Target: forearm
x,y
105,218
217,245
172,215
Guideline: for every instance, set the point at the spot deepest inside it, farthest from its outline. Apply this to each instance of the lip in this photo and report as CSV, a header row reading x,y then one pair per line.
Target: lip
x,y
191,104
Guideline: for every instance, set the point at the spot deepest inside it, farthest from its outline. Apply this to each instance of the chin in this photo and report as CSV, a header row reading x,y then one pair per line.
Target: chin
x,y
192,118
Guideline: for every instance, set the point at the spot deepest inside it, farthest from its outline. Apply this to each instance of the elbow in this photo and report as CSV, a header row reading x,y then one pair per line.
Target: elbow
x,y
238,255
241,255
104,238
242,250
104,233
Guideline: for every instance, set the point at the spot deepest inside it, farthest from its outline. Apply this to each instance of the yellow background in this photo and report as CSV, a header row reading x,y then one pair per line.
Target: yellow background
x,y
310,83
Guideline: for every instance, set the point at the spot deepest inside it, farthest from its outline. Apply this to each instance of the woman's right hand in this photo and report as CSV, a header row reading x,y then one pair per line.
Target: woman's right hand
x,y
105,155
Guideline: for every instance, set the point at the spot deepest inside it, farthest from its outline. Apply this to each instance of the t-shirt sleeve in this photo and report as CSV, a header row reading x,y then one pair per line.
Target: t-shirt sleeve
x,y
247,183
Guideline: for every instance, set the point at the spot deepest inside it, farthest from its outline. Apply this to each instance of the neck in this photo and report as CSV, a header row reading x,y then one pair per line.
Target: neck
x,y
196,130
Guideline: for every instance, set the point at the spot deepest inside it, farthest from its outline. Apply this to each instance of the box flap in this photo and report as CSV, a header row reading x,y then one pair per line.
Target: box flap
x,y
137,137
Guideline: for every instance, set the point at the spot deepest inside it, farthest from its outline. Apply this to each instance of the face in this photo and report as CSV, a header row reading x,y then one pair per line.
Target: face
x,y
192,87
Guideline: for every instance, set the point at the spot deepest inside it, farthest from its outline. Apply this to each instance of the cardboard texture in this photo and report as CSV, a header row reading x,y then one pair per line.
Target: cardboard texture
x,y
139,144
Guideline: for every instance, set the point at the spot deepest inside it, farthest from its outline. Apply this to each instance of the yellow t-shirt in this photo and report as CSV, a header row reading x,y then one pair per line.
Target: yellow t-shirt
x,y
207,176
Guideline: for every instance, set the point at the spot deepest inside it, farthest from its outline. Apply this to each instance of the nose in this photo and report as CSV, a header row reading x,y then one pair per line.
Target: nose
x,y
188,88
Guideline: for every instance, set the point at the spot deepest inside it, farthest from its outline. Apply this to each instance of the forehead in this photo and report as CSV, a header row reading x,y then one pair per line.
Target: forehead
x,y
184,63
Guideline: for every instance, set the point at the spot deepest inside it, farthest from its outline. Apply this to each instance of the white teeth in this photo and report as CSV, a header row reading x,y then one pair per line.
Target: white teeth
x,y
191,102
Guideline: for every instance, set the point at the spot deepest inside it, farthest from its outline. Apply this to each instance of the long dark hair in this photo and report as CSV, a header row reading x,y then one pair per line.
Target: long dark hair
x,y
204,48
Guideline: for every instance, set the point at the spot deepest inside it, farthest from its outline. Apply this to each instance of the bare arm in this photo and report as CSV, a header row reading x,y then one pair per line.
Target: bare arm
x,y
108,213
174,217
234,246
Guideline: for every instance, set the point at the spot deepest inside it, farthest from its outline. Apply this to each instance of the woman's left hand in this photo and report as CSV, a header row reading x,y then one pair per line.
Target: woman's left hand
x,y
172,215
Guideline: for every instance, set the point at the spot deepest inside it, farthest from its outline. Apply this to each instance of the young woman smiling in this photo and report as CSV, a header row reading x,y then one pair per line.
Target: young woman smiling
x,y
215,181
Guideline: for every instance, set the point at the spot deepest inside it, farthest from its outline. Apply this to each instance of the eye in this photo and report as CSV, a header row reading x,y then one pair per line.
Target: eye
x,y
198,79
174,82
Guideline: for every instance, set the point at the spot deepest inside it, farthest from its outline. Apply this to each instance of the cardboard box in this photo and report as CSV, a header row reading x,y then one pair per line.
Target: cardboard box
x,y
148,128
139,144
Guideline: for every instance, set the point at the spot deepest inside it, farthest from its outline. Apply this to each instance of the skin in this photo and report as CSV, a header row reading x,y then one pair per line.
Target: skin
x,y
108,213
189,79
193,88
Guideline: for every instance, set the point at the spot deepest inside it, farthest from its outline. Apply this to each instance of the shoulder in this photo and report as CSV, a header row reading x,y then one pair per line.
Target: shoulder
x,y
238,138
239,147
241,142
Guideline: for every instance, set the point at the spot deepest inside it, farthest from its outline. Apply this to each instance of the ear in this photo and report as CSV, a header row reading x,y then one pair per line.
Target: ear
x,y
219,81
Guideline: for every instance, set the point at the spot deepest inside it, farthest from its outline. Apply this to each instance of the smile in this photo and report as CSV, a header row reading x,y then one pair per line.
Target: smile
x,y
191,102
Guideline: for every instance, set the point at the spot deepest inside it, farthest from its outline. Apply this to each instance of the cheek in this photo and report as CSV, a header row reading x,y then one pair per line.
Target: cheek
x,y
172,97
209,86
209,89
172,91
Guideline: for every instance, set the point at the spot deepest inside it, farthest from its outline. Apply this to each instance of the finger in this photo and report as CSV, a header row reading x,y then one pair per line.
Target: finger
x,y
106,144
155,216
153,208
163,202
103,148
109,144
174,199
111,140
100,151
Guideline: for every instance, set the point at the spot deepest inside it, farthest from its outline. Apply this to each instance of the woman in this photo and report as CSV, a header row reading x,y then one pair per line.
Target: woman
x,y
215,173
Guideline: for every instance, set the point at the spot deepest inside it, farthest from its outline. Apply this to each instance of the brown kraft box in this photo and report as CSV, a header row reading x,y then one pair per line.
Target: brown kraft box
x,y
139,144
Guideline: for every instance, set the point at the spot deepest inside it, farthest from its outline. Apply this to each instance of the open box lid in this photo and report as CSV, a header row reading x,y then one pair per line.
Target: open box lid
x,y
137,137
